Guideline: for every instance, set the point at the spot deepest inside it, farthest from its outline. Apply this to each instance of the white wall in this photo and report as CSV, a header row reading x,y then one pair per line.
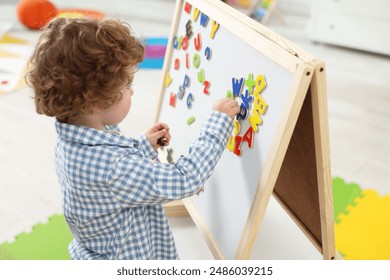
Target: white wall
x,y
295,6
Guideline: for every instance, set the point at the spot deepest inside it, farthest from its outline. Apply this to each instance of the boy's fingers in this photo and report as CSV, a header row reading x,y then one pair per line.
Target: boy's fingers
x,y
233,103
156,127
161,133
162,126
162,138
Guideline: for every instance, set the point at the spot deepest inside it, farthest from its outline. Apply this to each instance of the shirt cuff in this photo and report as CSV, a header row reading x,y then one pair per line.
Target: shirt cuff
x,y
218,124
147,148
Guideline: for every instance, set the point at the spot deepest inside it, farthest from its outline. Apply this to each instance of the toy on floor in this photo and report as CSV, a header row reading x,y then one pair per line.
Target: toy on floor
x,y
35,14
154,53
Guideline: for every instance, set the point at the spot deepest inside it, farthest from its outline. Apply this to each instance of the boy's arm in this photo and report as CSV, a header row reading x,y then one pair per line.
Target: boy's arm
x,y
146,148
139,181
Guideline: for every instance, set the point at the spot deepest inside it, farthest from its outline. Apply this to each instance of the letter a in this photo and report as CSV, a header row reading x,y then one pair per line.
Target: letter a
x,y
248,137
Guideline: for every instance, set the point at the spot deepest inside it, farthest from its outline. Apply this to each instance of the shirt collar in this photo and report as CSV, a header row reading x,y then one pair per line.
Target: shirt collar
x,y
90,136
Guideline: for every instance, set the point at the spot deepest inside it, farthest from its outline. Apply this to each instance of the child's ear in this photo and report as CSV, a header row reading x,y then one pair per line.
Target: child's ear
x,y
98,109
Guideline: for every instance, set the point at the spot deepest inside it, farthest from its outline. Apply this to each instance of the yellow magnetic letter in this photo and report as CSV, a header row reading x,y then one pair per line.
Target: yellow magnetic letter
x,y
214,29
260,84
168,79
259,104
196,14
237,127
255,120
231,143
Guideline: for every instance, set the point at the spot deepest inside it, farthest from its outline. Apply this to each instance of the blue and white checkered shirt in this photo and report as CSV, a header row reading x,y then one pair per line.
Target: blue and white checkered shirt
x,y
113,190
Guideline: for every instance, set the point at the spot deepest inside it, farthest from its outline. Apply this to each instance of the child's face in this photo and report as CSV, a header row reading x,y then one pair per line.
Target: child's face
x,y
117,112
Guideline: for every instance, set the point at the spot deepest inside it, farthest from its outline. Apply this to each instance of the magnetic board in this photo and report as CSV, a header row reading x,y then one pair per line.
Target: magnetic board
x,y
211,55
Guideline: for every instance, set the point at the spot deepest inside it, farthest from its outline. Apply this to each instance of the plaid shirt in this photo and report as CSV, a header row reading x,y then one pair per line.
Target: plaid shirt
x,y
113,190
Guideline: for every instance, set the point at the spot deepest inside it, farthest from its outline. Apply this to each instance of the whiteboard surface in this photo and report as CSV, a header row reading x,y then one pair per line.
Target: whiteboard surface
x,y
225,204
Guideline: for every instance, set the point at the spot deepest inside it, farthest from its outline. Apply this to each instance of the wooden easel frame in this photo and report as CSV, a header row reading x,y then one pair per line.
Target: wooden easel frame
x,y
305,140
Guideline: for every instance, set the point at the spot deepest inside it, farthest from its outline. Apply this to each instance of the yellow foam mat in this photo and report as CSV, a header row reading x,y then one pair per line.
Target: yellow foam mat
x,y
364,233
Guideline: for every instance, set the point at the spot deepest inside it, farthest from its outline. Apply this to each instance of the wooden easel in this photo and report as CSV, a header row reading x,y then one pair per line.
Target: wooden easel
x,y
304,189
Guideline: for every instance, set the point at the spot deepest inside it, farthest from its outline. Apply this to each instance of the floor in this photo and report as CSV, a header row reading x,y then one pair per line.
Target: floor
x,y
359,98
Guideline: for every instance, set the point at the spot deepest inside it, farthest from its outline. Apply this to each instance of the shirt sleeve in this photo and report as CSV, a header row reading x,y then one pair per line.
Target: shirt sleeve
x,y
146,148
137,181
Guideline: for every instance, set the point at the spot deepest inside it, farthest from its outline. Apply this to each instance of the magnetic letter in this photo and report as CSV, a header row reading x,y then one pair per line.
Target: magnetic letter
x,y
196,60
190,120
184,43
214,28
231,143
259,104
187,7
246,99
186,82
206,87
237,86
198,42
196,14
207,53
260,84
180,93
236,127
179,40
243,113
229,94
248,137
177,64
255,120
250,83
201,76
188,29
175,43
190,98
172,99
168,79
204,19
237,146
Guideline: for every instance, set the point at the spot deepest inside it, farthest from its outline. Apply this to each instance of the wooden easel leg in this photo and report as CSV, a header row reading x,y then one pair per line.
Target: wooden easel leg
x,y
321,133
176,209
296,187
304,185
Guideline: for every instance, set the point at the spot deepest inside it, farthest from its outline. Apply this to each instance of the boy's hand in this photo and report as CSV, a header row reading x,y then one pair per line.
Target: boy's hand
x,y
156,132
228,106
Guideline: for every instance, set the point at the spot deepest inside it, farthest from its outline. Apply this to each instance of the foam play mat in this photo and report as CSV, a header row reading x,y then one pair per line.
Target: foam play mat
x,y
45,242
155,48
362,222
362,229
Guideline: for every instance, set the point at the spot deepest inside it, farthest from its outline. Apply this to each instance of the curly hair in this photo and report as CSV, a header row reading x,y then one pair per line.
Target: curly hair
x,y
80,64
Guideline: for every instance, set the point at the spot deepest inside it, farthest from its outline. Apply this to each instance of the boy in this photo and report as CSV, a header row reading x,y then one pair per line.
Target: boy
x,y
112,190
